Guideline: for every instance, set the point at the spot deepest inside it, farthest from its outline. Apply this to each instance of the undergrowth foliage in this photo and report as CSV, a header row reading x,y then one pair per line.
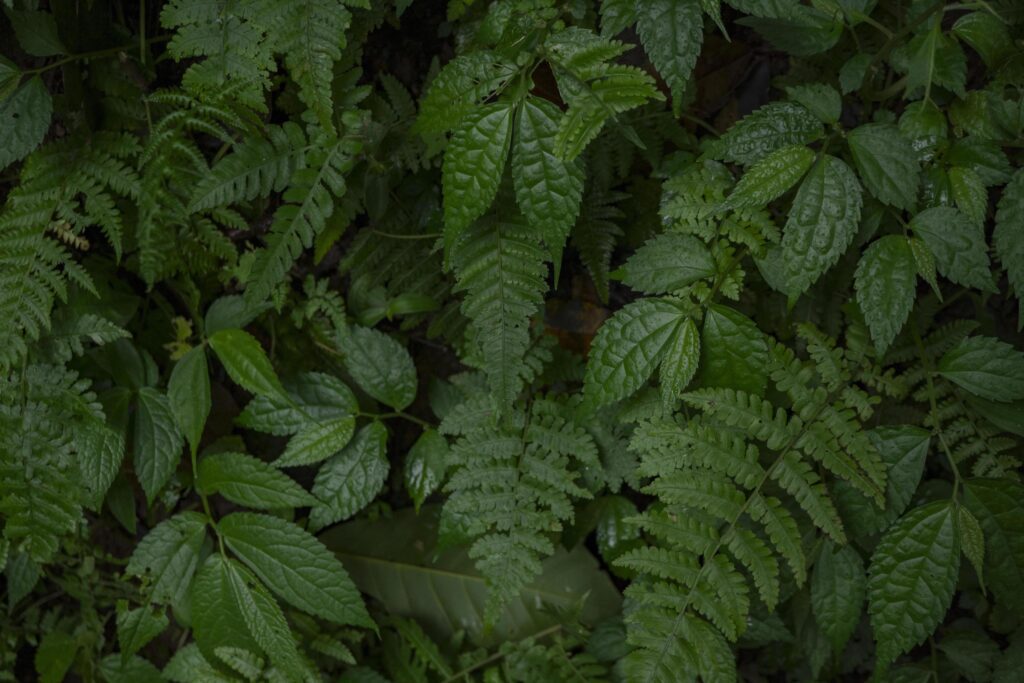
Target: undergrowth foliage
x,y
511,341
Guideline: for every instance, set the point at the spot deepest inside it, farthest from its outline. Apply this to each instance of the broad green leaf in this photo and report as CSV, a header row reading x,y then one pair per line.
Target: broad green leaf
x,y
773,126
838,588
136,627
134,670
246,362
454,93
972,541
188,390
248,481
312,398
157,445
351,479
628,348
264,619
998,505
886,282
680,363
969,193
972,652
934,57
168,555
295,565
24,120
958,244
770,177
231,312
548,189
425,465
189,666
912,577
734,352
820,99
473,165
925,260
924,126
317,442
21,575
851,74
380,365
54,655
36,32
886,163
987,34
986,367
1009,236
672,32
822,223
99,461
668,262
394,561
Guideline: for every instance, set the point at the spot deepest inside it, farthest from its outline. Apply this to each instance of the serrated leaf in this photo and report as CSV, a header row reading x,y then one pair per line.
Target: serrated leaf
x,y
851,74
822,223
933,57
548,189
99,462
352,478
246,362
188,391
925,260
425,465
958,245
295,566
317,442
998,505
473,165
820,99
734,352
168,555
886,286
1009,236
36,32
972,652
773,126
972,541
969,193
770,177
838,588
312,398
886,163
247,481
136,627
458,87
157,445
54,655
380,365
628,347
912,577
668,262
680,363
24,120
672,32
986,367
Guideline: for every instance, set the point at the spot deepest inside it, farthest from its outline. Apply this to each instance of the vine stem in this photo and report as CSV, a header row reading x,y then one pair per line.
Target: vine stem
x,y
936,425
497,656
95,54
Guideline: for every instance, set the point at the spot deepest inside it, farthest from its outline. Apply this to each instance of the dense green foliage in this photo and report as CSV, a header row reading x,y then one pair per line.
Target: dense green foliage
x,y
650,341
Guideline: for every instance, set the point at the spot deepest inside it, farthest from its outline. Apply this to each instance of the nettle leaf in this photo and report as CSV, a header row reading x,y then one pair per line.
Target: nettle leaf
x,y
136,627
969,193
934,57
36,32
672,33
972,541
295,566
886,163
822,223
425,466
734,352
24,120
548,189
998,505
838,589
773,126
680,364
668,262
770,178
1009,235
380,365
986,367
317,441
188,391
628,348
352,478
912,576
246,362
958,244
99,462
312,398
820,99
157,445
462,83
248,481
886,285
473,165
168,555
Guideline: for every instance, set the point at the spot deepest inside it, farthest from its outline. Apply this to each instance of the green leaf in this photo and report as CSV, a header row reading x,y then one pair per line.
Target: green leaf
x,y
454,93
1009,236
136,627
972,652
925,260
998,505
380,365
668,262
838,588
247,481
314,38
770,177
851,74
425,465
773,126
672,32
680,364
24,120
351,479
912,577
822,223
36,32
317,442
886,163
958,245
972,541
628,347
986,367
820,99
157,445
934,57
188,390
246,363
969,193
886,282
295,566
312,398
99,462
548,189
987,34
473,165
167,557
134,670
54,656
734,352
